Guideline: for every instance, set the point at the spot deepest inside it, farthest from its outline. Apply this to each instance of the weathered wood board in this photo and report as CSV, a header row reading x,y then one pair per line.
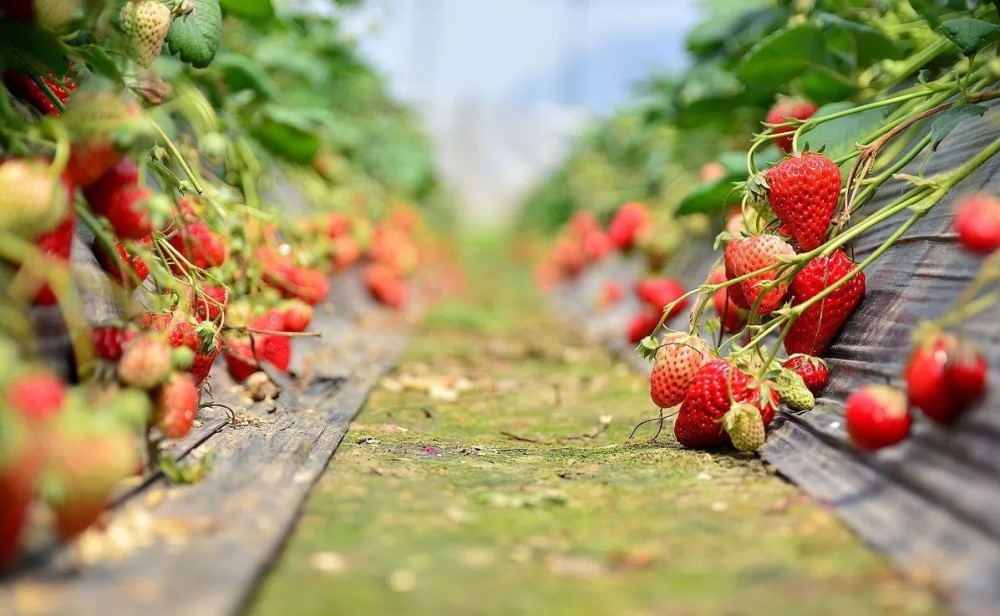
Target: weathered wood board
x,y
930,504
199,550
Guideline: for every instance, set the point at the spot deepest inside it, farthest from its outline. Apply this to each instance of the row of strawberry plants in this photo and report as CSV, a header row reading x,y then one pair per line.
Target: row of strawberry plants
x,y
169,134
785,280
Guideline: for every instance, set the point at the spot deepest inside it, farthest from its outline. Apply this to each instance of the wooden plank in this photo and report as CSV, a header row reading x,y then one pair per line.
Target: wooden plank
x,y
213,540
929,504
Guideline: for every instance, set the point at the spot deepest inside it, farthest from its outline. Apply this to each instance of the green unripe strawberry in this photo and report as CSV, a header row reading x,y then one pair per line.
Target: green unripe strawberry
x,y
745,427
794,392
145,24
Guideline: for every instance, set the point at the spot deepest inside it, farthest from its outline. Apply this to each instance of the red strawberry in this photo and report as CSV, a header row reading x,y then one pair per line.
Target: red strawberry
x,y
642,325
138,267
101,193
128,214
977,222
657,293
297,315
239,356
789,109
37,396
569,257
108,341
629,222
754,253
735,291
180,331
274,349
309,285
203,361
175,406
209,306
346,252
877,417
813,371
20,465
336,225
596,245
88,461
385,285
88,161
713,390
583,222
200,246
944,376
678,358
145,362
803,191
733,317
816,328
57,245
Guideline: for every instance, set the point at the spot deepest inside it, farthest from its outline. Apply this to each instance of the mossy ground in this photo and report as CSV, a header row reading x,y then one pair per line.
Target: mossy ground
x,y
433,507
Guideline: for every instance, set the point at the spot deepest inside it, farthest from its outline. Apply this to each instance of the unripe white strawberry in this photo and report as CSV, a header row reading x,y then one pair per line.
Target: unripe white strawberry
x,y
745,426
145,24
32,201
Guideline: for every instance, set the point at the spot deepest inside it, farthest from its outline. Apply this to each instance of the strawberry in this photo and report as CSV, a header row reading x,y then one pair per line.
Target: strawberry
x,y
977,222
88,461
813,371
745,427
239,356
128,213
101,121
205,357
816,328
803,191
714,389
145,24
32,201
596,245
37,395
108,341
209,305
25,87
754,253
394,248
128,279
336,225
876,417
733,317
569,257
677,360
642,325
735,290
307,284
57,245
345,252
145,362
583,222
20,464
200,246
944,376
658,293
297,315
794,392
175,406
178,328
630,221
789,109
100,193
385,285
274,349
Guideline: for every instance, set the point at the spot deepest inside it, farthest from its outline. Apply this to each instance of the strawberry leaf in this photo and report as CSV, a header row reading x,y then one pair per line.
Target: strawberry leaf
x,y
194,37
970,35
950,119
783,56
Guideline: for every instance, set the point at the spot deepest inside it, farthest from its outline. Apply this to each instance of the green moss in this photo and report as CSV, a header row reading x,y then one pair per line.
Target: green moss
x,y
451,516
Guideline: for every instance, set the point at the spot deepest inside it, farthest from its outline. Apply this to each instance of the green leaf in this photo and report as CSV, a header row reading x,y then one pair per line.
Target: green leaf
x,y
194,37
242,73
257,11
99,61
782,56
970,35
838,137
950,119
709,197
288,134
31,48
860,41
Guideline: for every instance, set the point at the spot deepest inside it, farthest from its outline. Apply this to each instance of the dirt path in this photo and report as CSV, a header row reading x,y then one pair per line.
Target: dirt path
x,y
523,496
